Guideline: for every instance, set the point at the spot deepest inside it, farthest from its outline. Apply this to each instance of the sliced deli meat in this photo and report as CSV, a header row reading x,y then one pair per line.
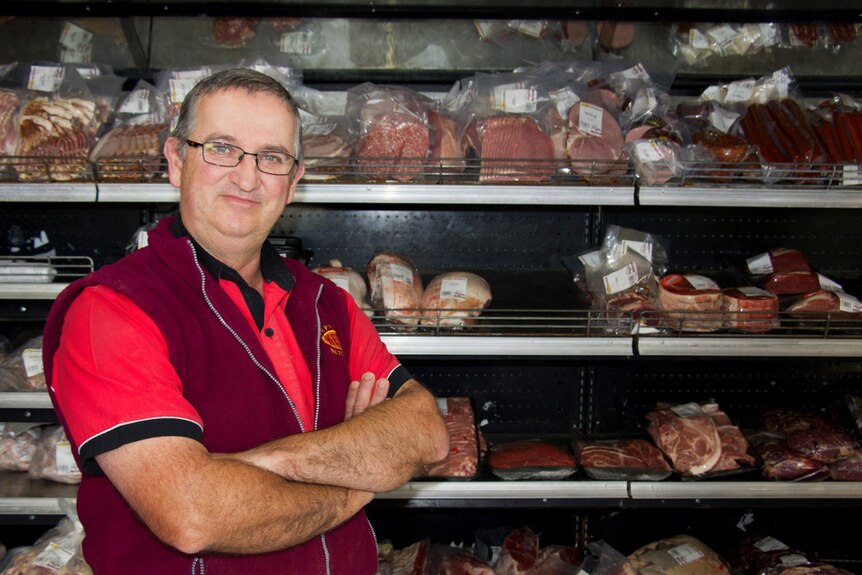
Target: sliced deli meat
x,y
394,146
455,299
749,309
396,288
514,149
696,296
325,155
595,140
463,458
445,150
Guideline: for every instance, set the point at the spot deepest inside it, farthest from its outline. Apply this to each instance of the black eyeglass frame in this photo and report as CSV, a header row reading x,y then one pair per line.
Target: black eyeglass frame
x,y
202,146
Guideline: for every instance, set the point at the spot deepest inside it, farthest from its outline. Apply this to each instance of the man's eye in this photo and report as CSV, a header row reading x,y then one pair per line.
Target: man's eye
x,y
272,158
220,148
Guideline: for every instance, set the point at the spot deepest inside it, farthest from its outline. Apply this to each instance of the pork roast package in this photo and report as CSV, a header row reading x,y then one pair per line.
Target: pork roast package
x,y
454,300
390,126
348,280
462,462
531,459
699,439
52,459
18,441
396,288
621,459
56,552
679,555
22,369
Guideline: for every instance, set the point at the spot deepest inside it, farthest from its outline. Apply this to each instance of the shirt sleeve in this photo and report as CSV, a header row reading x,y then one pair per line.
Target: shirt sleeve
x,y
113,380
369,353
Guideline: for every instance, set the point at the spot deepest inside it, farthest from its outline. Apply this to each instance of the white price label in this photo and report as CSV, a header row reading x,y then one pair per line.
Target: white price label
x,y
45,78
828,284
621,279
64,459
341,280
564,99
760,264
687,410
453,288
143,239
517,100
848,303
647,152
721,35
297,42
590,119
644,102
53,557
591,259
138,102
685,554
722,119
793,560
180,87
699,282
752,291
69,56
401,274
739,91
770,544
644,249
75,38
852,175
636,72
697,39
32,361
443,406
88,72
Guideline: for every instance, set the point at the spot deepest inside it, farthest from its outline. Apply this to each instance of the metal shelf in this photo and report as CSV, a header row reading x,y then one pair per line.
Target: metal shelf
x,y
405,345
48,192
509,490
745,490
48,291
25,400
748,346
750,197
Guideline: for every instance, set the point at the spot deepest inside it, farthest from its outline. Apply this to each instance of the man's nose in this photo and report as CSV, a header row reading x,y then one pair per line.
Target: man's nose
x,y
245,174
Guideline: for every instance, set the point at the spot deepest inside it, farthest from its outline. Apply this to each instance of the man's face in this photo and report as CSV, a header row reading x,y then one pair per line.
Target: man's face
x,y
220,204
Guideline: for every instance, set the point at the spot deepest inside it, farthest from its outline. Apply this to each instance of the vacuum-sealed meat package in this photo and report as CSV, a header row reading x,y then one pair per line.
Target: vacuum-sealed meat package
x,y
349,280
454,299
622,459
531,459
462,462
396,288
53,459
18,442
22,369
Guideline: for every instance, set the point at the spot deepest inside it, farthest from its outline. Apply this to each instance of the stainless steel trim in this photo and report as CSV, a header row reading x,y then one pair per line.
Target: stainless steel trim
x,y
48,192
749,346
119,193
521,346
752,197
509,490
25,400
745,490
48,291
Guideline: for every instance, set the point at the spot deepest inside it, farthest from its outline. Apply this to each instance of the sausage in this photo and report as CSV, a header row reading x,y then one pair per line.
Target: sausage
x,y
830,141
844,144
855,134
819,150
769,127
791,131
756,134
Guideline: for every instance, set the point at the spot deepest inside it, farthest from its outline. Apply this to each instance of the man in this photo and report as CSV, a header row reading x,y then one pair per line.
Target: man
x,y
226,405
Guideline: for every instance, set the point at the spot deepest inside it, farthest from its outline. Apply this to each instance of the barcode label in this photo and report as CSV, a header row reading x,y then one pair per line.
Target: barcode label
x,y
621,279
453,288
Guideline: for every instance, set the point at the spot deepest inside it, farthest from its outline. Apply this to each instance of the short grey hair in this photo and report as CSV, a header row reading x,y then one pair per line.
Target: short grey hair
x,y
251,81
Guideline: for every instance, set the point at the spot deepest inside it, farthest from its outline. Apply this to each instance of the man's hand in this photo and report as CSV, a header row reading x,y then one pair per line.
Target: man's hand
x,y
365,393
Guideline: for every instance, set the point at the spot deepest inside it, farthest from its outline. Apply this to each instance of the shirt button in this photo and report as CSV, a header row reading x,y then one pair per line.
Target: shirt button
x,y
268,332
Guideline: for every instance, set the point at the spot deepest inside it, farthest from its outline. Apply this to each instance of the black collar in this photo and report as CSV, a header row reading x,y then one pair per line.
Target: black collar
x,y
271,267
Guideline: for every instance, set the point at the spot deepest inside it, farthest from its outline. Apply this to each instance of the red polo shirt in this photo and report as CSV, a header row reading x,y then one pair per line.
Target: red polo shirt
x,y
115,369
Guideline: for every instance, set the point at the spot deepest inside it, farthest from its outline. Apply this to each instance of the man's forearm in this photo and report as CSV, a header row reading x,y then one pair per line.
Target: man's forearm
x,y
376,451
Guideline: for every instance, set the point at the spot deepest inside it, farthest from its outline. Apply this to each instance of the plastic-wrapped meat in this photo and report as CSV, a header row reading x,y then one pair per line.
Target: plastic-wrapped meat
x,y
698,297
18,443
688,437
679,555
348,280
656,160
791,283
758,554
445,152
52,459
519,554
623,459
749,309
594,136
514,149
848,469
734,446
117,151
528,453
233,32
463,458
826,303
779,260
284,24
325,155
782,463
810,434
9,101
558,560
454,299
811,569
395,145
22,370
614,36
448,560
412,560
396,288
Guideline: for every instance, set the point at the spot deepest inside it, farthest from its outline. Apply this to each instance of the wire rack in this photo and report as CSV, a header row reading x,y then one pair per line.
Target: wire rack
x,y
748,174
44,269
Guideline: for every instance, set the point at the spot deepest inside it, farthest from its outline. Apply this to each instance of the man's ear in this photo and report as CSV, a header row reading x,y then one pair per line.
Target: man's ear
x,y
300,170
175,161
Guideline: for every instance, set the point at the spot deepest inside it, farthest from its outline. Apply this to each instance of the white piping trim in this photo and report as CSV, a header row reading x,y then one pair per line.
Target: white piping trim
x,y
80,447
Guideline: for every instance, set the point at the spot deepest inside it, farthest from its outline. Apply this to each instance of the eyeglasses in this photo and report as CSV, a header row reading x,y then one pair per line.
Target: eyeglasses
x,y
228,156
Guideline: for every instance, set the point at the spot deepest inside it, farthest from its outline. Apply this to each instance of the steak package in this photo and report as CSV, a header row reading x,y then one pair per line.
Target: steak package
x,y
826,303
779,260
451,560
454,300
519,554
52,458
810,434
396,288
781,463
622,459
348,280
760,554
463,459
699,439
22,369
697,298
749,309
679,555
326,142
530,459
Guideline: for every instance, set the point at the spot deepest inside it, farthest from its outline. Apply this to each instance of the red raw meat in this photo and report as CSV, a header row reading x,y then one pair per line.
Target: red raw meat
x,y
234,32
791,283
692,443
697,296
782,463
528,453
520,553
445,147
463,457
395,145
504,140
631,453
749,309
779,260
820,304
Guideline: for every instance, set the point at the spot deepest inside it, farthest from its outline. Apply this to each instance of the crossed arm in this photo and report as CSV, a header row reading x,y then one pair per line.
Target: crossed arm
x,y
286,491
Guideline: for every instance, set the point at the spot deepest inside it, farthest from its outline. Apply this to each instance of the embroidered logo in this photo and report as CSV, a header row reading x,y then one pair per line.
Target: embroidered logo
x,y
330,338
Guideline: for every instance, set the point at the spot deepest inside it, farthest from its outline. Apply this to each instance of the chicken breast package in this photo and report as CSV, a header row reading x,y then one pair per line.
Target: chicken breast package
x,y
396,288
349,280
454,300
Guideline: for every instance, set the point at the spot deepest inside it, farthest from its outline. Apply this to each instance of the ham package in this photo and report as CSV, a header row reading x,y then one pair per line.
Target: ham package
x,y
463,459
749,309
530,459
396,288
699,439
628,459
679,555
454,300
514,149
696,296
348,280
595,140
